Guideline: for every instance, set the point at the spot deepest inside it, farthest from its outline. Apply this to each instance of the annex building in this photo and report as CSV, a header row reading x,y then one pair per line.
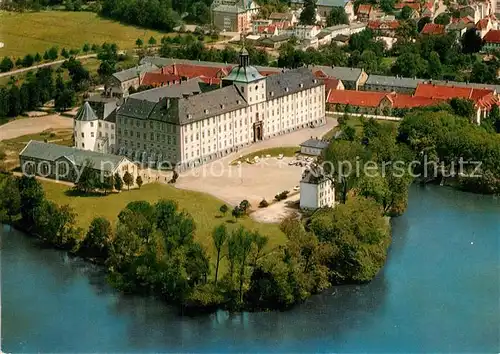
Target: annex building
x,y
192,127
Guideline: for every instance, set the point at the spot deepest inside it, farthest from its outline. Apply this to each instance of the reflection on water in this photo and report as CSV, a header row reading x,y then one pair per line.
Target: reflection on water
x,y
438,292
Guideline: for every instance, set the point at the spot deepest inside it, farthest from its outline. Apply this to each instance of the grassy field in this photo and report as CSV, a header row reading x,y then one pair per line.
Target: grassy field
x,y
13,147
274,152
203,207
24,33
354,122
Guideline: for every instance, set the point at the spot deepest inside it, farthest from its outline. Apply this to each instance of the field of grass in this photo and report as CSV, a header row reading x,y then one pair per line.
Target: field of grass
x,y
203,207
13,147
28,33
274,152
354,122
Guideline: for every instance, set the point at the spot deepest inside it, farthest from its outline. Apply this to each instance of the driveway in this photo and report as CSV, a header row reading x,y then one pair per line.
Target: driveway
x,y
262,180
25,126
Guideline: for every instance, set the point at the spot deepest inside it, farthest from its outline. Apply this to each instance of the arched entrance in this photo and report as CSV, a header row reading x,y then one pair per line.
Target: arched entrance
x,y
257,131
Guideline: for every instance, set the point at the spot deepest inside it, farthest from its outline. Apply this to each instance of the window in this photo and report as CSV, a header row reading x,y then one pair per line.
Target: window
x,y
83,135
91,124
92,134
83,145
100,125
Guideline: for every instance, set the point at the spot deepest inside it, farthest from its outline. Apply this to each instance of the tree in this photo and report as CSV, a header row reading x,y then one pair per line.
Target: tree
x,y
32,195
244,206
6,65
152,41
219,238
223,209
435,70
138,181
443,19
308,14
46,55
463,107
471,41
422,22
64,100
64,53
98,239
237,212
260,243
118,182
53,53
369,61
139,43
387,6
86,48
337,16
343,157
89,178
406,13
37,58
28,61
106,69
483,72
409,65
10,199
128,179
492,121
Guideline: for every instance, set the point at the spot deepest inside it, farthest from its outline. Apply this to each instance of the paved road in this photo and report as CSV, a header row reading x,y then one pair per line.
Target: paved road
x,y
52,63
25,126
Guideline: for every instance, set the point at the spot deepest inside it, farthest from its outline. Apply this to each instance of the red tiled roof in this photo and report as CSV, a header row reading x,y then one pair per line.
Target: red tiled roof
x,y
408,101
433,28
414,6
191,70
331,83
376,24
320,74
449,92
493,36
154,79
356,98
269,72
364,9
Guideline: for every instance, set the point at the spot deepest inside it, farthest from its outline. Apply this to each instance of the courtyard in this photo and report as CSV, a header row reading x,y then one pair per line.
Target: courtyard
x,y
254,182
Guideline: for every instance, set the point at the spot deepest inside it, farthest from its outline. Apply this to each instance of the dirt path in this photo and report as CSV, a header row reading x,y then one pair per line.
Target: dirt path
x,y
25,126
52,63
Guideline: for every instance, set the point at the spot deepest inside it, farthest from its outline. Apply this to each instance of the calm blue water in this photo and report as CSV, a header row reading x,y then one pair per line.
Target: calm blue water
x,y
438,292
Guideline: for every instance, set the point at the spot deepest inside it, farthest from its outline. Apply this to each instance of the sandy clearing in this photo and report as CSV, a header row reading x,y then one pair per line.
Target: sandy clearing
x,y
25,126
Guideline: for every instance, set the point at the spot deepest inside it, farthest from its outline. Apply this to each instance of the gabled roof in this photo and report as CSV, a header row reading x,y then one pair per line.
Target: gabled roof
x,y
364,9
449,92
482,24
391,81
338,72
52,152
383,25
356,98
433,29
198,107
189,87
134,72
291,81
86,113
229,9
409,101
315,143
158,79
493,36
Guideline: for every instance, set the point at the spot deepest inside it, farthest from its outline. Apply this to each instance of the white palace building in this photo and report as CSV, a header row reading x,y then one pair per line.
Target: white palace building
x,y
188,127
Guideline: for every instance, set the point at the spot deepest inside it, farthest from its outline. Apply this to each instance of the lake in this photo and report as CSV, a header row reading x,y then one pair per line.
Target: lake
x,y
439,292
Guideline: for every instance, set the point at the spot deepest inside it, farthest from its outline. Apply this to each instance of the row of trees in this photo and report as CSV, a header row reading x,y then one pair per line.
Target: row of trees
x,y
445,139
39,88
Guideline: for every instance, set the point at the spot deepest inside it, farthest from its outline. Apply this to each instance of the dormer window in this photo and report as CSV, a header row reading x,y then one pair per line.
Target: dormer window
x,y
301,85
206,111
189,116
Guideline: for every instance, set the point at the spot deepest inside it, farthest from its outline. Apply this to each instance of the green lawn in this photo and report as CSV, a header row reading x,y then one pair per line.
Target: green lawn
x,y
354,122
203,207
14,146
274,152
24,33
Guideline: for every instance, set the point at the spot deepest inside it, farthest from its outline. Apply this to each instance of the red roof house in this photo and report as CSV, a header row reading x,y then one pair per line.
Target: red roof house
x,y
433,29
159,79
492,38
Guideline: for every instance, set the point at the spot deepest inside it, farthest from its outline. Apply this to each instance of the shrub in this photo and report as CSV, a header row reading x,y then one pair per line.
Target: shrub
x,y
263,204
281,196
